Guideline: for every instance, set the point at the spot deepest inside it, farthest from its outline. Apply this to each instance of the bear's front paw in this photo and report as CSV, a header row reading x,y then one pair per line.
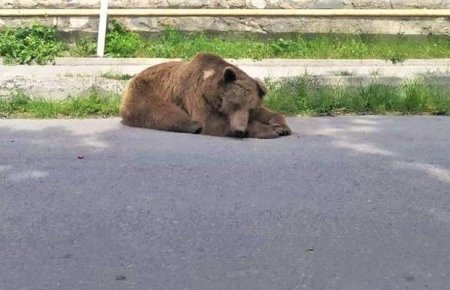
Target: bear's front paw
x,y
282,130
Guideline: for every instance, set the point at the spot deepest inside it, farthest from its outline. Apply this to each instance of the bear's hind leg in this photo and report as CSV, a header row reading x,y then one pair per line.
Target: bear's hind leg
x,y
169,117
166,117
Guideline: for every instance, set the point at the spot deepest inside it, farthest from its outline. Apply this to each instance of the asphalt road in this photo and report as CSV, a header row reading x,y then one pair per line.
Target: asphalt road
x,y
344,203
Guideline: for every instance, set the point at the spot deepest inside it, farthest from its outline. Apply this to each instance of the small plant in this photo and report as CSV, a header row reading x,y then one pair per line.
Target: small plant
x,y
120,42
376,98
36,43
415,96
85,47
16,103
172,36
117,76
345,73
396,58
281,45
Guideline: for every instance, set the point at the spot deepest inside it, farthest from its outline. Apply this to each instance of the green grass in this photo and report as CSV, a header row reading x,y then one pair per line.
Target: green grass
x,y
22,106
175,44
83,47
295,96
301,96
117,76
38,43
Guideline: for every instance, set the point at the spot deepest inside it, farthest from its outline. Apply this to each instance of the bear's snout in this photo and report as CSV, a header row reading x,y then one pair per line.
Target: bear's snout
x,y
238,122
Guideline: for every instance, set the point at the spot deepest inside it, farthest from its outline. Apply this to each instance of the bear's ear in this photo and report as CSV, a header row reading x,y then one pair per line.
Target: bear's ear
x,y
229,75
262,90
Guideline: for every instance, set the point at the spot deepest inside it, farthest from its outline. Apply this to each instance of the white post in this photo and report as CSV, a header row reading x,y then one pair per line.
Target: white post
x,y
102,28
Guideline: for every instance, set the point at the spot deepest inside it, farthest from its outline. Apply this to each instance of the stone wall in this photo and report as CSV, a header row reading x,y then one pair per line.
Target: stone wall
x,y
388,4
264,25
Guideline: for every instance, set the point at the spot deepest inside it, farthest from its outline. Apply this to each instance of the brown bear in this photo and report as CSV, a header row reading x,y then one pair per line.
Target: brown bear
x,y
206,95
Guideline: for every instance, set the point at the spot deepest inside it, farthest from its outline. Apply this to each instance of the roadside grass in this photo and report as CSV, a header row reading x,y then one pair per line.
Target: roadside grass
x,y
301,96
117,76
294,96
20,105
41,44
175,44
36,43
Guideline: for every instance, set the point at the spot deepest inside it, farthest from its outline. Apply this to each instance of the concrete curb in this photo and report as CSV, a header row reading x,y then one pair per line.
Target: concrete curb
x,y
63,87
77,76
95,61
264,62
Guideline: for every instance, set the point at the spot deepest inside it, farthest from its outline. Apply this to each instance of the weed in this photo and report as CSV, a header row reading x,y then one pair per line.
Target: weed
x,y
414,97
92,105
300,96
344,73
117,76
121,42
36,43
85,47
396,58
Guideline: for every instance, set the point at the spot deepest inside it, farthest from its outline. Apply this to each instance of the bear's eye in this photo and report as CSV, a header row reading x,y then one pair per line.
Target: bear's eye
x,y
261,94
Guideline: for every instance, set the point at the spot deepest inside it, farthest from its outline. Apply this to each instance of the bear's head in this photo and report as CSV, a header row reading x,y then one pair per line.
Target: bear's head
x,y
236,95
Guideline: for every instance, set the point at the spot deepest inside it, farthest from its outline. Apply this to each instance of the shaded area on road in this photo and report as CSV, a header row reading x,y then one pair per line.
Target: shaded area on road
x,y
344,203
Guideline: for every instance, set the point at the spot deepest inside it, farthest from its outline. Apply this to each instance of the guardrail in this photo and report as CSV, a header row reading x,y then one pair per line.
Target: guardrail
x,y
103,12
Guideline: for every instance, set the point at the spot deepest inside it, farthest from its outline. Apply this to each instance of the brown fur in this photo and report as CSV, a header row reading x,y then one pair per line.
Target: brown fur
x,y
206,95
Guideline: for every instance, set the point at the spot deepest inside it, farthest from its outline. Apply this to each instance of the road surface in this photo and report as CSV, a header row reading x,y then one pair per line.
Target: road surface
x,y
344,203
